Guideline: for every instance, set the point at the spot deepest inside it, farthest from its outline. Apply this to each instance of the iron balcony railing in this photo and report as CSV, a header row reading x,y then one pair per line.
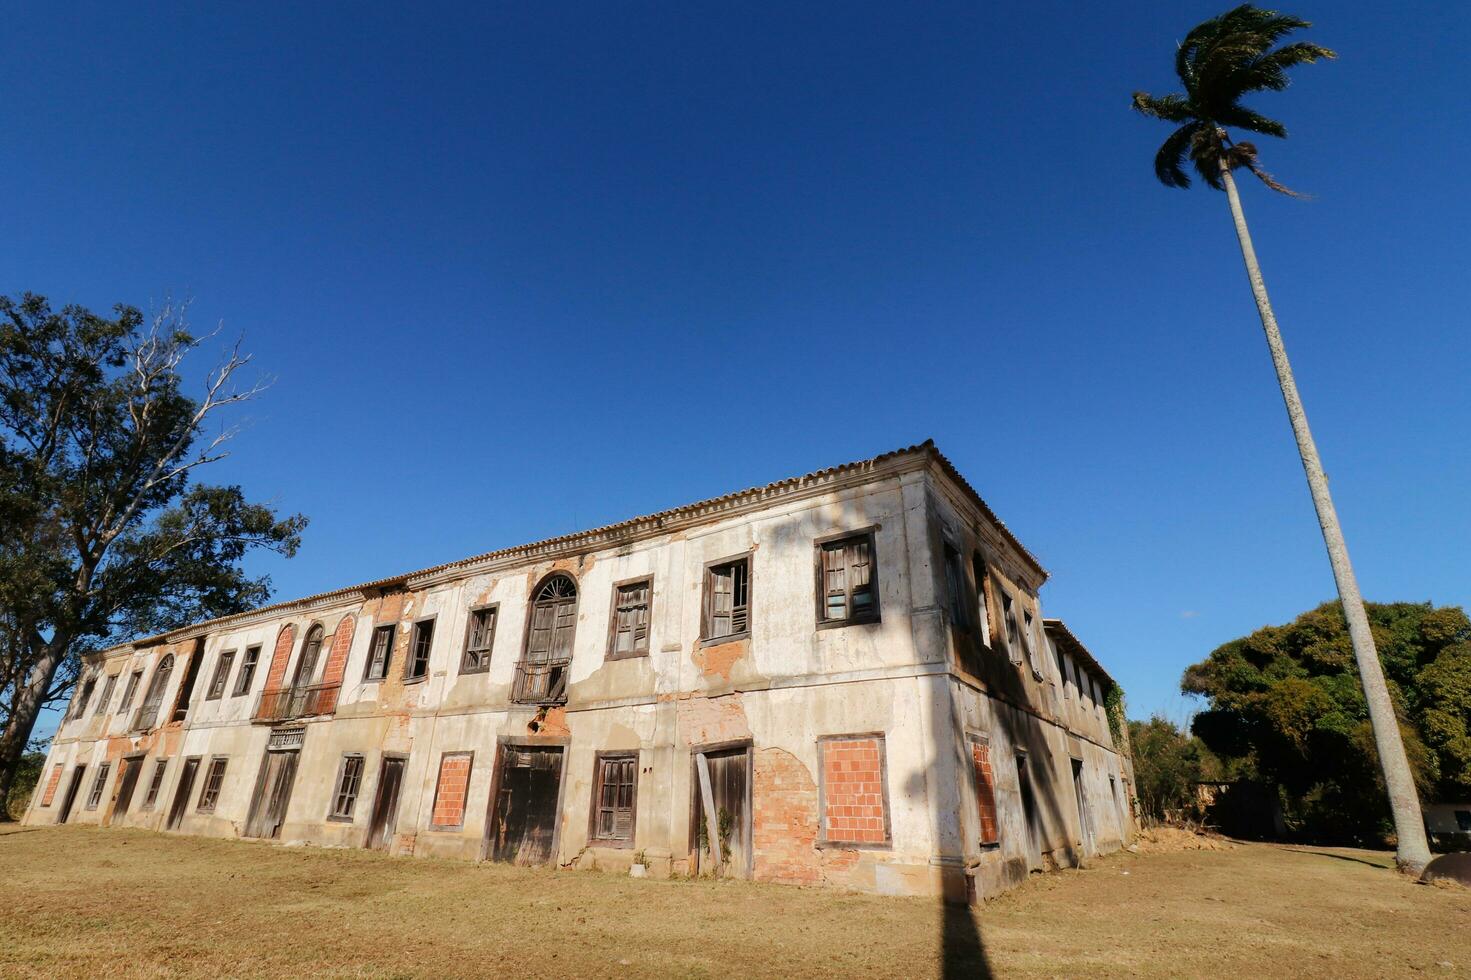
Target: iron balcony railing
x,y
541,683
288,703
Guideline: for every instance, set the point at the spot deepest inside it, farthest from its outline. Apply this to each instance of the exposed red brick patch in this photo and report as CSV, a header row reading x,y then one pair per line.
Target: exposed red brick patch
x,y
785,825
449,797
853,790
276,679
341,646
718,660
552,721
980,755
705,721
51,782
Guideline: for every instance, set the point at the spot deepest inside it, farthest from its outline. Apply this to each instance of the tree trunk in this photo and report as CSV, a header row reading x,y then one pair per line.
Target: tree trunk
x,y
28,703
1413,853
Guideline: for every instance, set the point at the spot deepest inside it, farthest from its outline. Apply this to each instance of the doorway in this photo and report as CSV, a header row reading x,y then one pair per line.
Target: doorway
x,y
1029,811
722,789
1085,823
181,795
385,804
523,825
127,781
71,794
272,794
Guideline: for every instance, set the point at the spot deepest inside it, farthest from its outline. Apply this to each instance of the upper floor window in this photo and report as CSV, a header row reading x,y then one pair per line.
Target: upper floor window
x,y
148,713
311,651
85,695
247,671
629,632
983,611
479,638
727,599
222,674
847,583
380,653
542,674
1013,628
417,667
131,691
955,590
1029,640
106,698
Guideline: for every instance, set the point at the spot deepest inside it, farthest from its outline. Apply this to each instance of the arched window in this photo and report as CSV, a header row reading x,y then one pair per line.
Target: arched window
x,y
542,674
311,651
148,713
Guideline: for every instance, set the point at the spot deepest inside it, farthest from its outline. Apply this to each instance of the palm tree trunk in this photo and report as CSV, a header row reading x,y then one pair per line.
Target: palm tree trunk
x,y
1413,853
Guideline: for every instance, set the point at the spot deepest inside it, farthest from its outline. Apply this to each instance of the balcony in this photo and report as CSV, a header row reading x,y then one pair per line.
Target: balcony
x,y
287,704
541,683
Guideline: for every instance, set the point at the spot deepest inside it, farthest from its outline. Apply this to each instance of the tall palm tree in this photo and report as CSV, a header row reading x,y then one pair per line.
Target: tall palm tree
x,y
1219,62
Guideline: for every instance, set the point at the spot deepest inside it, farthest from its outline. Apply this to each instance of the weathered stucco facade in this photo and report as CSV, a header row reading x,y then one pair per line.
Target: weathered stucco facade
x,y
847,674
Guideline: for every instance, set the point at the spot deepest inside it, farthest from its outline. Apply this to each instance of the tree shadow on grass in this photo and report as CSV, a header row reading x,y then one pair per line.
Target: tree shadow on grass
x,y
963,954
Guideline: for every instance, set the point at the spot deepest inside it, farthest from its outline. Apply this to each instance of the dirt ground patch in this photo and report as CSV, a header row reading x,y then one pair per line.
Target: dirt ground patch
x,y
78,901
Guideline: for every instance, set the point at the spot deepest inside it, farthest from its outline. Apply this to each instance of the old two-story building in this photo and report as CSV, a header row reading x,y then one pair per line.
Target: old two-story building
x,y
842,678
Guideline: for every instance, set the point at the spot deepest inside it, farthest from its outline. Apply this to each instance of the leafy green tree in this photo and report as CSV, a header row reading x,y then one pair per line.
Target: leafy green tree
x,y
104,535
1220,62
1286,701
1168,763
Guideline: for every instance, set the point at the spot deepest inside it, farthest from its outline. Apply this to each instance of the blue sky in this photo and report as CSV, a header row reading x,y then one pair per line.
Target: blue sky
x,y
524,269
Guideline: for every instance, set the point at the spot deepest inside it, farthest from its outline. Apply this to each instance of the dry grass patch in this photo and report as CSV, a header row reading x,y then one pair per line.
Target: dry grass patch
x,y
77,901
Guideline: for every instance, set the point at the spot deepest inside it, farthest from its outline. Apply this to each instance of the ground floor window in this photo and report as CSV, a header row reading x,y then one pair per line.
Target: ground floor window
x,y
155,784
615,786
98,784
980,756
854,791
214,779
348,781
449,794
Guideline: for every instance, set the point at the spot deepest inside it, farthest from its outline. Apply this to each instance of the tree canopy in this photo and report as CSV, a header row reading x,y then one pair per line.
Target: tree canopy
x,y
105,534
1220,62
1285,703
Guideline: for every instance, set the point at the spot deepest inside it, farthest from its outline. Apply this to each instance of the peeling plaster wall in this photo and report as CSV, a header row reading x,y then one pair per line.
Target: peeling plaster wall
x,y
779,690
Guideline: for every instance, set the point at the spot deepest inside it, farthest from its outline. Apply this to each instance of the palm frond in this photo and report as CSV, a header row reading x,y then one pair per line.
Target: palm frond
x,y
1243,154
1205,152
1244,118
1169,161
1171,108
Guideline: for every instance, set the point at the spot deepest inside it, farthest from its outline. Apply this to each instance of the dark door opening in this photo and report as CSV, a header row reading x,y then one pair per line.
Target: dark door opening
x,y
181,795
728,776
1085,824
385,804
1029,810
71,794
272,794
523,827
127,781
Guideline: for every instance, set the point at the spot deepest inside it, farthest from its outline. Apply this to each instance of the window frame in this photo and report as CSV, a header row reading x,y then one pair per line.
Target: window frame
x,y
79,704
439,785
221,678
707,596
99,784
648,645
205,788
155,784
981,738
494,609
824,543
823,838
130,690
245,676
391,629
600,760
334,811
412,655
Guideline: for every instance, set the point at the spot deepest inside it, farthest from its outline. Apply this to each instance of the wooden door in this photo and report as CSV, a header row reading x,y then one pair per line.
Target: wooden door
x,y
1029,812
385,804
1085,822
181,795
127,781
524,826
272,795
730,787
71,794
